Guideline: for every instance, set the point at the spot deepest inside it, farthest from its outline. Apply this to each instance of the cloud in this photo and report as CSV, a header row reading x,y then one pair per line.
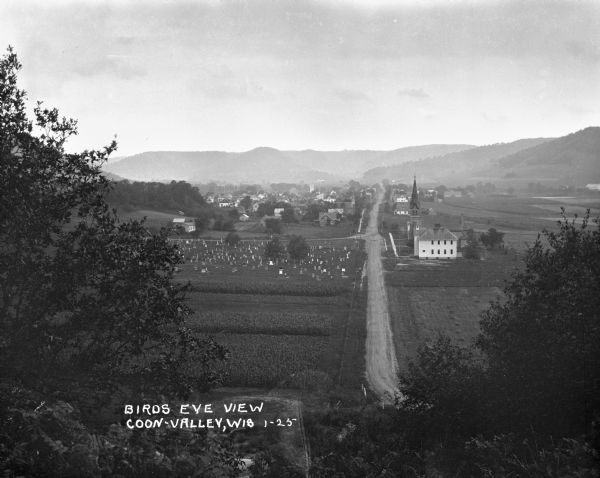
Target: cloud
x,y
413,93
346,94
584,50
220,82
119,66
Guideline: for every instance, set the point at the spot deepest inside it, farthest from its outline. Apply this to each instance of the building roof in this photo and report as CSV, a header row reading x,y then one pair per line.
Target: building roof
x,y
414,198
437,234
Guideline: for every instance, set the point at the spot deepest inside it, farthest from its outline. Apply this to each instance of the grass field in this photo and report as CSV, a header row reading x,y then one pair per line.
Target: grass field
x,y
421,314
519,217
429,297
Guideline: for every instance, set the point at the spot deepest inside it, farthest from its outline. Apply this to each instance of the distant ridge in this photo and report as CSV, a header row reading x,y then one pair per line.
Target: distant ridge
x,y
573,159
266,165
459,168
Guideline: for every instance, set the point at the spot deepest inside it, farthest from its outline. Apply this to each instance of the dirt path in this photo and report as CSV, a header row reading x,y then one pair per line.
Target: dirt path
x,y
382,366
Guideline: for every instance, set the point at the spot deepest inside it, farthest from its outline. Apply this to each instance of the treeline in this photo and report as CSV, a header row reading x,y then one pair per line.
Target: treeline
x,y
176,195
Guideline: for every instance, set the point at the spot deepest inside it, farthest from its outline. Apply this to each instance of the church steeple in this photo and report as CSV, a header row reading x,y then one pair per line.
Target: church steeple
x,y
414,199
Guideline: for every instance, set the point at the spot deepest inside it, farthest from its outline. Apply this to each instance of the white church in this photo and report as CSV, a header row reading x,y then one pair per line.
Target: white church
x,y
436,243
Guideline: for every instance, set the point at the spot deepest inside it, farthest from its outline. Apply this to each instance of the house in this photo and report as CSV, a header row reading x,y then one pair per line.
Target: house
x,y
278,211
244,217
401,209
453,193
436,243
329,218
189,225
334,210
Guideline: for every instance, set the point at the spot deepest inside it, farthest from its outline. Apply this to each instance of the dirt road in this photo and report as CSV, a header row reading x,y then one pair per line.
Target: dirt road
x,y
382,366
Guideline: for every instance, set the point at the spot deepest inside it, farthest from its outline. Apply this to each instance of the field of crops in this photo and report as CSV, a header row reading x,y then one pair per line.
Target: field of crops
x,y
259,322
241,285
284,324
410,272
260,360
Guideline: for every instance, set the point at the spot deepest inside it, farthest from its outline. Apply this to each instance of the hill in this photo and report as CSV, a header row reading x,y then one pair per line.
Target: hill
x,y
458,167
571,160
266,165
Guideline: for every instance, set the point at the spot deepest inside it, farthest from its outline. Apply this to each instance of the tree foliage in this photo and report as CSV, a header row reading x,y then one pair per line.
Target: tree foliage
x,y
543,341
273,225
176,195
492,238
274,249
298,248
533,376
87,302
288,215
232,239
470,249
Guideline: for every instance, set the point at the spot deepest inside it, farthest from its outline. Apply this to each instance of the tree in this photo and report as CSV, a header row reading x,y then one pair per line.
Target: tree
x,y
273,225
265,209
312,212
298,248
234,214
87,302
246,203
274,249
492,238
232,239
543,340
471,248
288,215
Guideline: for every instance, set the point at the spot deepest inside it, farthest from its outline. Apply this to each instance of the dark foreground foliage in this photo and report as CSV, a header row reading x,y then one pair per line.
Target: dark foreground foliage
x,y
89,312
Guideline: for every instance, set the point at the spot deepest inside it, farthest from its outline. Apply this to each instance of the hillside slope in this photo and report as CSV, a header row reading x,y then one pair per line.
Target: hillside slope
x,y
266,165
454,167
571,160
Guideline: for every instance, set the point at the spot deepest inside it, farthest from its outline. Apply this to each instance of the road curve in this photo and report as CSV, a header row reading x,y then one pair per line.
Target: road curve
x,y
382,366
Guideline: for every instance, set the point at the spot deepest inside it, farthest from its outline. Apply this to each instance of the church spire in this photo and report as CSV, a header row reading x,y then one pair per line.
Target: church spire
x,y
414,199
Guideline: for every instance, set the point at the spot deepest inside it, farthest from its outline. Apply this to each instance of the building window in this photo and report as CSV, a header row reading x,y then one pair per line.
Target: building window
x,y
438,251
431,242
423,250
450,242
444,251
444,242
451,251
431,251
438,243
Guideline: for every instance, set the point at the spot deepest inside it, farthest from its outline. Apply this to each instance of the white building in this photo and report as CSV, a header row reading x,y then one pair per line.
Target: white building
x,y
189,225
436,243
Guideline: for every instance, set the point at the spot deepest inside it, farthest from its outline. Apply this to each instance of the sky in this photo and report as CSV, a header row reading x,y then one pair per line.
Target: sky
x,y
299,74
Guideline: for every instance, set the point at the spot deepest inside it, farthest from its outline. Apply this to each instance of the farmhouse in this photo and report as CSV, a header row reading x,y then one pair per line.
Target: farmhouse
x,y
329,218
187,224
436,243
